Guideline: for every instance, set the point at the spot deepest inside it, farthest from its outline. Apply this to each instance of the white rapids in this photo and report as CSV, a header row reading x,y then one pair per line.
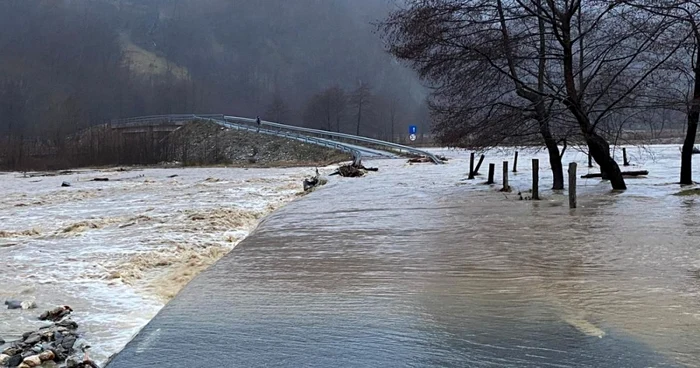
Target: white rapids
x,y
117,250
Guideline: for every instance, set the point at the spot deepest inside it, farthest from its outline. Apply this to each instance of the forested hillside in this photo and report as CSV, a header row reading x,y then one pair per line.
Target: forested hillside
x,y
65,65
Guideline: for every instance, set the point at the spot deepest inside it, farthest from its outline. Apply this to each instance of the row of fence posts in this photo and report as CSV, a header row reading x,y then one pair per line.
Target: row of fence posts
x,y
474,171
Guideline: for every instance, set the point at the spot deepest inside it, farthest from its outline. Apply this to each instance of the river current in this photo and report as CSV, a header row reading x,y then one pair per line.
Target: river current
x,y
416,266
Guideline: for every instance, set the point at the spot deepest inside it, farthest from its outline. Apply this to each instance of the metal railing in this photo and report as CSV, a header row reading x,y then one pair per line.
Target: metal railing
x,y
155,120
400,148
313,136
355,151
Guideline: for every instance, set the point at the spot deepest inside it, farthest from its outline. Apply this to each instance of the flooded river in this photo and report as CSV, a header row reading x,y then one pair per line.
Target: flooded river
x,y
415,266
117,250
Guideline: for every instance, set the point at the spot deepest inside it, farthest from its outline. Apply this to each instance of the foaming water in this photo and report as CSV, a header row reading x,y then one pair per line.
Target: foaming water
x,y
414,266
117,250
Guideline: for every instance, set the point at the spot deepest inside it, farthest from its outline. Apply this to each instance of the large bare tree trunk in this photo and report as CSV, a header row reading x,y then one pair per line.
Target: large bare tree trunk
x,y
600,151
689,143
541,111
597,145
692,130
551,144
554,160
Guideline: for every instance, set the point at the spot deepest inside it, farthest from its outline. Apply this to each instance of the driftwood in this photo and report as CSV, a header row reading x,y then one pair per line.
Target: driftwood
x,y
312,182
353,171
100,179
417,160
423,159
348,171
624,173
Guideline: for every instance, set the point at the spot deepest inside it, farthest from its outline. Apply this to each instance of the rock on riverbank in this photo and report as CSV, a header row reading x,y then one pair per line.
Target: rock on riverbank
x,y
59,342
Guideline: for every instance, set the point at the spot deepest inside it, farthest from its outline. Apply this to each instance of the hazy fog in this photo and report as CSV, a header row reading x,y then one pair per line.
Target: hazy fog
x,y
66,64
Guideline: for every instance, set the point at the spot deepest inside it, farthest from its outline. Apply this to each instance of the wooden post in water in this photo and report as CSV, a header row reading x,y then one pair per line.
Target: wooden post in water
x,y
590,160
506,188
624,157
515,162
535,179
478,166
572,185
471,166
492,168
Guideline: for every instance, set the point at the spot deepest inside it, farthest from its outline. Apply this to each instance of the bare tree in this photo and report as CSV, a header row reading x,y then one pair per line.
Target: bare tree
x,y
528,60
278,110
325,109
337,101
685,67
317,114
488,70
605,52
393,112
361,99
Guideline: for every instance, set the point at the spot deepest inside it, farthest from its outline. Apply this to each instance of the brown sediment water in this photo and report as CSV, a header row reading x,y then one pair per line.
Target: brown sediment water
x,y
410,266
413,266
117,250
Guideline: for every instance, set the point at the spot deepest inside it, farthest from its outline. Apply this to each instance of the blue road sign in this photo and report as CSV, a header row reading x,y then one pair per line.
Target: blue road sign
x,y
412,129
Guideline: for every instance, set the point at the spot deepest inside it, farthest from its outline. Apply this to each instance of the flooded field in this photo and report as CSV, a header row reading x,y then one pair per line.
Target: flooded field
x,y
117,250
411,266
415,266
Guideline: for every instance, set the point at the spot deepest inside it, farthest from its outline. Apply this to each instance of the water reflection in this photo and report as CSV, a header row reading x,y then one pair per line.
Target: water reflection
x,y
445,275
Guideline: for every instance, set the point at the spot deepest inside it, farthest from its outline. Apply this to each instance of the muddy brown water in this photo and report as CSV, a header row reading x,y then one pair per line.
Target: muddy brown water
x,y
415,267
115,250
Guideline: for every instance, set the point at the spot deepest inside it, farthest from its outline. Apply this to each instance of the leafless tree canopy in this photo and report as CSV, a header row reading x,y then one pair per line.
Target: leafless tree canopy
x,y
326,110
575,66
361,99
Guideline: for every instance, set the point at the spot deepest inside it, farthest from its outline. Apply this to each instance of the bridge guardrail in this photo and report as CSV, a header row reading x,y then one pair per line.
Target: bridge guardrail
x,y
250,124
158,120
356,153
396,146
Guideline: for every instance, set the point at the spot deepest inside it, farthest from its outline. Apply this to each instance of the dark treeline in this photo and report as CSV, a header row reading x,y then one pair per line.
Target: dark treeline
x,y
67,65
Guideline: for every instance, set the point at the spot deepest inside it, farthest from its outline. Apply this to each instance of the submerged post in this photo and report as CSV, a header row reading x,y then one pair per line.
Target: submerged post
x,y
478,166
572,185
590,160
624,157
492,169
506,188
471,166
535,179
515,162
